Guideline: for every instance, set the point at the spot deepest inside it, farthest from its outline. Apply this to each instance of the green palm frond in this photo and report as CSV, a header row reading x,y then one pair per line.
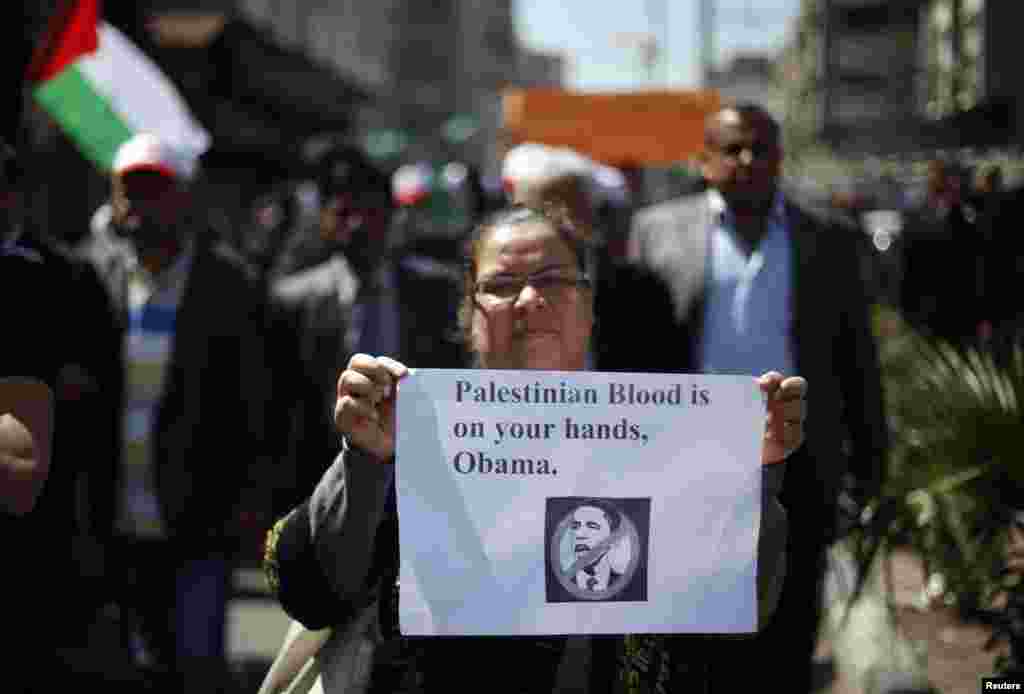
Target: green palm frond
x,y
955,471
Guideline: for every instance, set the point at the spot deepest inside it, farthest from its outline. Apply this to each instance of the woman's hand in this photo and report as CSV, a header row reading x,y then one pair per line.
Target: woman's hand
x,y
787,410
365,409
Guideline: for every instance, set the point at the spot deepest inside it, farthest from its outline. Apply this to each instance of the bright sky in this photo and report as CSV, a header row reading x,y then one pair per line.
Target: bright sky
x,y
594,36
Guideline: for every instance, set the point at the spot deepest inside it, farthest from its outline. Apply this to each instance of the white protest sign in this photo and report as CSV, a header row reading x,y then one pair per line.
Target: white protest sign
x,y
545,502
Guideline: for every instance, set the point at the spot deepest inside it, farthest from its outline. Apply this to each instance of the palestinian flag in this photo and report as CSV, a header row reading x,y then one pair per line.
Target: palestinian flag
x,y
102,89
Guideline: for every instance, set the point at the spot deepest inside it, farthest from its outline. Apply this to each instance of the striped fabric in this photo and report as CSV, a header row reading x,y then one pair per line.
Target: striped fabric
x,y
152,308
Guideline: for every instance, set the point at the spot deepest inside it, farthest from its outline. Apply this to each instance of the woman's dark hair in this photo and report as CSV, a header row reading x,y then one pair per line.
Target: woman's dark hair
x,y
555,215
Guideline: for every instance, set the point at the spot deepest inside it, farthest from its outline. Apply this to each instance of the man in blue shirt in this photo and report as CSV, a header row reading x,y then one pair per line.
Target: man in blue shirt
x,y
755,281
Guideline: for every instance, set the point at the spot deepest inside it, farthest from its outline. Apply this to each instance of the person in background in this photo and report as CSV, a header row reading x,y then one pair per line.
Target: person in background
x,y
58,331
26,432
942,260
182,500
271,216
539,175
436,208
369,294
756,282
30,359
1003,309
88,411
321,204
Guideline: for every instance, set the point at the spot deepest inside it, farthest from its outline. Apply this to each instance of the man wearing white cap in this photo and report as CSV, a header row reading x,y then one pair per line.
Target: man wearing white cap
x,y
193,418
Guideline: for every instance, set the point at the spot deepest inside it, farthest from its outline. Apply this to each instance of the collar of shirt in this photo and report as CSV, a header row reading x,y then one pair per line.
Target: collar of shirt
x,y
725,218
169,283
727,258
748,296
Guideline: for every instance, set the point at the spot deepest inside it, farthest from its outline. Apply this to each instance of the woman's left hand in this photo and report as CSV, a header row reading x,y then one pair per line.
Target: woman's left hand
x,y
787,410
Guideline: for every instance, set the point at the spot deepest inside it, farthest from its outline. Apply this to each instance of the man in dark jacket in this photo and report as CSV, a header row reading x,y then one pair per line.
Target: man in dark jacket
x,y
755,279
191,465
366,296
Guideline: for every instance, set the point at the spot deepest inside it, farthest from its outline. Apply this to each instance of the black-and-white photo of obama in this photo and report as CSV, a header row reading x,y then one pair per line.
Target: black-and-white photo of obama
x,y
594,550
600,550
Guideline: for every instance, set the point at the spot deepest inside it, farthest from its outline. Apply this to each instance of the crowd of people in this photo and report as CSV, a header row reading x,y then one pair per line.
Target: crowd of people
x,y
945,253
961,259
180,405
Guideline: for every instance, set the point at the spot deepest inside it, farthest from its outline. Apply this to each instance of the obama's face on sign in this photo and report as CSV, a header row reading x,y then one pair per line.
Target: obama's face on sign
x,y
594,549
590,526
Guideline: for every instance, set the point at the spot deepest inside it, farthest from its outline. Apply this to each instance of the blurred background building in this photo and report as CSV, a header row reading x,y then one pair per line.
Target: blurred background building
x,y
749,77
904,76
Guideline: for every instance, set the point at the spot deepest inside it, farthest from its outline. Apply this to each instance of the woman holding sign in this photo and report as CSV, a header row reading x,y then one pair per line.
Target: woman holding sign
x,y
527,304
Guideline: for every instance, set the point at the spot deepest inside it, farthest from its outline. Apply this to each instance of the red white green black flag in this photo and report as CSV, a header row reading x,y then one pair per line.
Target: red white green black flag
x,y
102,89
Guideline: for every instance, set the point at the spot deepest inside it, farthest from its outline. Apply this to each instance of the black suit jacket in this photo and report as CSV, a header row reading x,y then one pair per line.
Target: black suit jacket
x,y
209,440
831,337
312,313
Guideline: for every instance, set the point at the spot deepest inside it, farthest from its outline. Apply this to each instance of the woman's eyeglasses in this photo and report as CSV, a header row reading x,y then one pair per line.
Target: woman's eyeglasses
x,y
506,289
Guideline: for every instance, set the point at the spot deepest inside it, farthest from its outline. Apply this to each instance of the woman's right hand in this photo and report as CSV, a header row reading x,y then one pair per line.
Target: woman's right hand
x,y
365,409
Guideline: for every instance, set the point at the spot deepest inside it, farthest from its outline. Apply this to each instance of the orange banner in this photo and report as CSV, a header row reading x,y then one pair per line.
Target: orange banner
x,y
659,128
